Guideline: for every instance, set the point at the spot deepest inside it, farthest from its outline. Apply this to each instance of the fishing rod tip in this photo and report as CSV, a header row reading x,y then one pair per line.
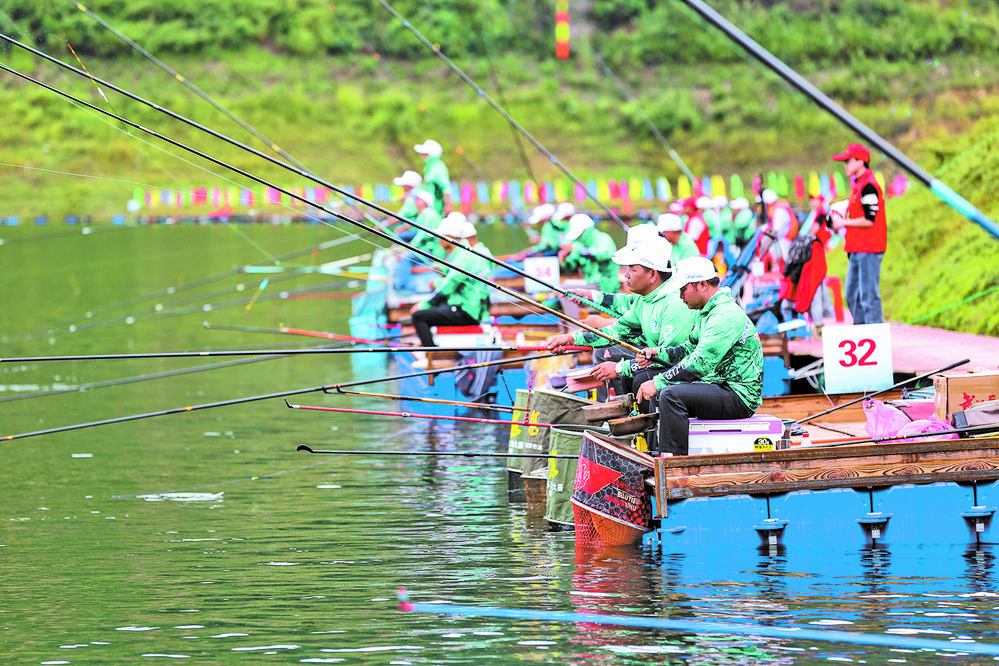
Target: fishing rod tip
x,y
304,447
290,406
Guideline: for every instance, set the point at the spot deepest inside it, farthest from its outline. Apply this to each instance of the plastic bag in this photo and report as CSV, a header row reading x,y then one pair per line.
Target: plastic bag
x,y
930,425
884,420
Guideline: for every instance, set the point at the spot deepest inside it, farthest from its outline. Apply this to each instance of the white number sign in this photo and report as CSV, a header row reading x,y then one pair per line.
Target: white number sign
x,y
857,358
543,268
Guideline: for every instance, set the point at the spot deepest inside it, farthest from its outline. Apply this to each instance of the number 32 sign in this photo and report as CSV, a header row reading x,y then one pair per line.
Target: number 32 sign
x,y
857,358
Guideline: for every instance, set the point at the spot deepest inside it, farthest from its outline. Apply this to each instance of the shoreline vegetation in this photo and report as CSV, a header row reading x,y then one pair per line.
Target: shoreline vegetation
x,y
921,73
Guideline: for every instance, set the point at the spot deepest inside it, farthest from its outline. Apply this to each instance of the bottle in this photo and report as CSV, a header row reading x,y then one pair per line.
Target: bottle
x,y
806,439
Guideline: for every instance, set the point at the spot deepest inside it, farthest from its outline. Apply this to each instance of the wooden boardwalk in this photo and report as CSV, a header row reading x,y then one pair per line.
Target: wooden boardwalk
x,y
921,349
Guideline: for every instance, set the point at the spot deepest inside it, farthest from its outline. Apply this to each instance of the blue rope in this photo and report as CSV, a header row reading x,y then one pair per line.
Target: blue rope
x,y
790,631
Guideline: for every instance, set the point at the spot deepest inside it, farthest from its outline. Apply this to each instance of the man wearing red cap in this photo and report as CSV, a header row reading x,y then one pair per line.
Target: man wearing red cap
x,y
866,236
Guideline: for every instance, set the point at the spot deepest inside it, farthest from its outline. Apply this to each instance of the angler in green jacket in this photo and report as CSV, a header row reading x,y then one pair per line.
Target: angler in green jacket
x,y
553,231
717,373
428,218
460,300
436,178
657,317
671,227
409,181
588,250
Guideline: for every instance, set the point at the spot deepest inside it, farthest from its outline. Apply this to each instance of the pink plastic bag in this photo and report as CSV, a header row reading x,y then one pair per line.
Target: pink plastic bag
x,y
930,425
883,420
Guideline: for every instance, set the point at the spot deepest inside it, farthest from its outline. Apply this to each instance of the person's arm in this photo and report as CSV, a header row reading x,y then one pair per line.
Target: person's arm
x,y
870,202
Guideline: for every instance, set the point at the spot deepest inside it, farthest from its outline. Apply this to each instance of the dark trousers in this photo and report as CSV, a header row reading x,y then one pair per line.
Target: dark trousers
x,y
444,315
679,403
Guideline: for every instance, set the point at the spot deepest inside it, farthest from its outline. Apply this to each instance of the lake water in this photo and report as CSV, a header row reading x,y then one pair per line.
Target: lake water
x,y
205,537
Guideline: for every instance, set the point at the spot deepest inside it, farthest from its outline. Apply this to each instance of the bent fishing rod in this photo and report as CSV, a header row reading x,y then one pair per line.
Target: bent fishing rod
x,y
268,396
385,235
286,352
373,230
417,415
506,116
947,195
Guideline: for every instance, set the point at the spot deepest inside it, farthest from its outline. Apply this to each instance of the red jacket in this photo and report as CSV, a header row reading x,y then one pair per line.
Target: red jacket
x,y
866,239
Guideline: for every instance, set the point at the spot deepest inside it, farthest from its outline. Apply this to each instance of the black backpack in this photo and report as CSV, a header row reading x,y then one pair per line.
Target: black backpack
x,y
797,256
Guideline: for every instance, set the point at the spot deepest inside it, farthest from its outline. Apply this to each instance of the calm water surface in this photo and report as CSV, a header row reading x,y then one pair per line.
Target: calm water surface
x,y
205,537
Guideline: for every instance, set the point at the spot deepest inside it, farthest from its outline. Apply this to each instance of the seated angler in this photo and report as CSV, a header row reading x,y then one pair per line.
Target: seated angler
x,y
656,318
460,300
588,250
670,226
553,231
717,373
409,181
427,218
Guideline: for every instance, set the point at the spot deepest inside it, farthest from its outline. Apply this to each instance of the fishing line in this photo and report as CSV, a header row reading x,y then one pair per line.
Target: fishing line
x,y
481,93
371,229
422,108
268,476
626,94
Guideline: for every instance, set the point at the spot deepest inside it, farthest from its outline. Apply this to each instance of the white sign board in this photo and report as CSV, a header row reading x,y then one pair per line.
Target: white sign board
x,y
543,268
857,358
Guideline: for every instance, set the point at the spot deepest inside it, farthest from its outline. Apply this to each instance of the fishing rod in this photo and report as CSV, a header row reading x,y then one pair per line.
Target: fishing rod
x,y
890,388
374,230
258,352
138,378
380,232
675,156
415,415
171,291
436,401
462,454
947,195
482,93
295,331
268,396
982,429
786,632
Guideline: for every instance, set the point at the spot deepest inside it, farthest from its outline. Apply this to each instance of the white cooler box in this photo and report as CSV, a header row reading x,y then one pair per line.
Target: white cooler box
x,y
762,432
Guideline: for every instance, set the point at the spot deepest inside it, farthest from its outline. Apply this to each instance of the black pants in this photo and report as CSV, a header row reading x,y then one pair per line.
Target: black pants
x,y
681,402
445,315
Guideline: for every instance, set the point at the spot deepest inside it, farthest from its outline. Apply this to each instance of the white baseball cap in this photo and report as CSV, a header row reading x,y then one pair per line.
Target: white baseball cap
x,y
692,269
703,203
429,147
641,232
425,197
578,223
563,210
456,225
769,197
654,253
719,201
542,212
408,179
669,222
740,203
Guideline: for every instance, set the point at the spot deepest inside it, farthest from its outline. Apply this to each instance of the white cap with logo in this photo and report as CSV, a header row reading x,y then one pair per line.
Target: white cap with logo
x,y
652,253
692,269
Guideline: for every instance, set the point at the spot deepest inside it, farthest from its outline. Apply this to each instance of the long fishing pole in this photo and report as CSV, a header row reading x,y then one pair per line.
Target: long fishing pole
x,y
435,401
284,330
258,352
947,195
789,632
268,396
890,388
386,235
138,378
416,415
374,230
461,454
171,291
971,430
482,93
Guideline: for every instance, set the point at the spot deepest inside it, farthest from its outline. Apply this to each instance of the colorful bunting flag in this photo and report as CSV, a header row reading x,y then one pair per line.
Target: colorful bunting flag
x,y
683,188
736,188
562,29
663,192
